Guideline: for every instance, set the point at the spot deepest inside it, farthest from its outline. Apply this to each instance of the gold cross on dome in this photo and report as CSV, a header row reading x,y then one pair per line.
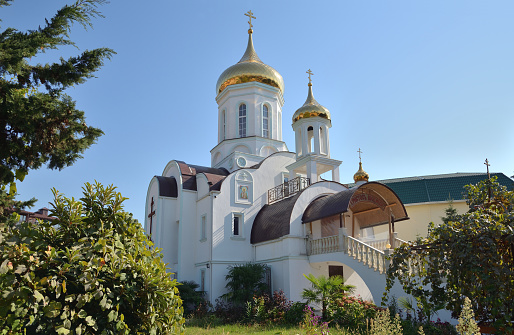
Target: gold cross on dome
x,y
250,16
310,74
360,152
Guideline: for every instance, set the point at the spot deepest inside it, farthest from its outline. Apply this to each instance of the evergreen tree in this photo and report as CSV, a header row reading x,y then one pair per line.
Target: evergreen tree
x,y
39,122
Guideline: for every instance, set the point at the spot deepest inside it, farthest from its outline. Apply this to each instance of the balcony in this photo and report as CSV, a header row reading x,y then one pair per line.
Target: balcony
x,y
287,189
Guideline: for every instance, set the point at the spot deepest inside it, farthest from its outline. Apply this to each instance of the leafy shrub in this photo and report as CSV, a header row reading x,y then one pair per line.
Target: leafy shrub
x,y
228,312
352,312
295,313
268,309
313,324
91,269
383,324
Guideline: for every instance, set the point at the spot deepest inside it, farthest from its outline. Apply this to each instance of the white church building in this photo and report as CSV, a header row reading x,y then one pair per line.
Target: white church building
x,y
259,202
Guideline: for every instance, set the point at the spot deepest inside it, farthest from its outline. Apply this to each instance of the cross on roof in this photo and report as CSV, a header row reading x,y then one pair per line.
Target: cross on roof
x,y
488,165
152,213
488,177
360,152
310,74
250,15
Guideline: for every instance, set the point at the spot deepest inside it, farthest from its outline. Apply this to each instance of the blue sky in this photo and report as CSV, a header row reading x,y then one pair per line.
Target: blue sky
x,y
422,87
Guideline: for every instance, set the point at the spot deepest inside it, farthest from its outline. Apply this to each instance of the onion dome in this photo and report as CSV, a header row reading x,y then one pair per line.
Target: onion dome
x,y
360,175
250,68
311,108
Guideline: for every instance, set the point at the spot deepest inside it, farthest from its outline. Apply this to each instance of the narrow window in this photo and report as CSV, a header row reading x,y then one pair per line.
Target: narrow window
x,y
235,227
310,135
321,140
265,121
242,120
224,127
203,229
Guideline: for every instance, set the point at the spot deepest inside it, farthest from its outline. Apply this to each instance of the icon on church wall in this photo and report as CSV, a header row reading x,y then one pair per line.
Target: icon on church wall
x,y
243,192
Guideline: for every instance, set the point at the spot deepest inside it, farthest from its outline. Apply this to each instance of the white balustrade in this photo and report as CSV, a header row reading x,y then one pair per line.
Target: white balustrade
x,y
361,251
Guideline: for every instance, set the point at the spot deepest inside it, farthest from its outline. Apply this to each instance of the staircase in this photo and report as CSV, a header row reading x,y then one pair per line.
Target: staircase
x,y
368,254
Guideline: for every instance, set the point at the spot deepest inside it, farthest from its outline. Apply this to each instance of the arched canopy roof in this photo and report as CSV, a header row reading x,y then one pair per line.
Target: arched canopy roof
x,y
370,201
272,221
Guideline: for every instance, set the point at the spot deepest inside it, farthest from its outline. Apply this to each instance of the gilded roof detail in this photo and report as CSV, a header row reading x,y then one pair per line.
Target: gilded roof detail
x,y
360,175
250,68
311,108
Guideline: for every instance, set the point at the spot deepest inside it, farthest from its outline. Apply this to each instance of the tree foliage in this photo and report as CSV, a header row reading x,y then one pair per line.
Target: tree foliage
x,y
39,122
244,281
91,271
470,255
325,290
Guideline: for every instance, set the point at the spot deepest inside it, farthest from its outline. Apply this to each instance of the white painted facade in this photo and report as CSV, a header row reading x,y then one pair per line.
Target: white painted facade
x,y
203,217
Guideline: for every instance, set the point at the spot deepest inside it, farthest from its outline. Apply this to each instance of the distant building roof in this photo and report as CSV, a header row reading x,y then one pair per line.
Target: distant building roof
x,y
439,187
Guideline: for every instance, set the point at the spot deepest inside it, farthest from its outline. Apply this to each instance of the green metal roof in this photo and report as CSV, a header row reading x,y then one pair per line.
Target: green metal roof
x,y
439,187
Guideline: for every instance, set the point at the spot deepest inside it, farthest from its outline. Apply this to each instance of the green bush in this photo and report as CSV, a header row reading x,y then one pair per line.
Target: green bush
x,y
352,312
295,313
266,309
91,270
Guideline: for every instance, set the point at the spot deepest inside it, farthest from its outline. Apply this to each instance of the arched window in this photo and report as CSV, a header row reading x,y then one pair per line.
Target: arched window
x,y
223,125
310,137
265,121
242,120
321,141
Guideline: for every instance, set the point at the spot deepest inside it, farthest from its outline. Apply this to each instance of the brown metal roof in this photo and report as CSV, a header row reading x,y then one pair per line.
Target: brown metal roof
x,y
189,173
370,214
214,181
167,186
272,221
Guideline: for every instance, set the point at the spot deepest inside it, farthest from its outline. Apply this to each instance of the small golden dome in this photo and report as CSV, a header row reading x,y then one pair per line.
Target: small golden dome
x,y
250,68
311,108
360,175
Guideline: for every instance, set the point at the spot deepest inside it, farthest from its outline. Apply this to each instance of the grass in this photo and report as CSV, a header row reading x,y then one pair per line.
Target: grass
x,y
257,329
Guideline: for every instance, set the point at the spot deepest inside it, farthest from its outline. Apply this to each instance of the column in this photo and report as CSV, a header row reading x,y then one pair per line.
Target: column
x,y
305,140
335,174
327,143
298,142
312,172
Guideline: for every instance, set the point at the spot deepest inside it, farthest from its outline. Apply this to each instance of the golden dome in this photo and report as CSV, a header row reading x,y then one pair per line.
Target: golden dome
x,y
250,68
360,175
311,108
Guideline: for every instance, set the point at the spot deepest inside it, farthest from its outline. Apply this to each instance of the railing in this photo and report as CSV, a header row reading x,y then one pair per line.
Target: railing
x,y
287,189
378,244
359,250
398,241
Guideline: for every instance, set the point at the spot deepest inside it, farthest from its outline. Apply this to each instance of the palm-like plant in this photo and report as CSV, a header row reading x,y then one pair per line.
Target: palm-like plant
x,y
244,281
325,290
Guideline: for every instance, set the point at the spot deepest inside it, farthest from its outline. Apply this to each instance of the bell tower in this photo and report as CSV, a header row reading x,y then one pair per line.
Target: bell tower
x,y
311,123
249,97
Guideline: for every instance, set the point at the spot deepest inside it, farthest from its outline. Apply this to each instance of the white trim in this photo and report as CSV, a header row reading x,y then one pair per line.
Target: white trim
x,y
432,202
224,94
